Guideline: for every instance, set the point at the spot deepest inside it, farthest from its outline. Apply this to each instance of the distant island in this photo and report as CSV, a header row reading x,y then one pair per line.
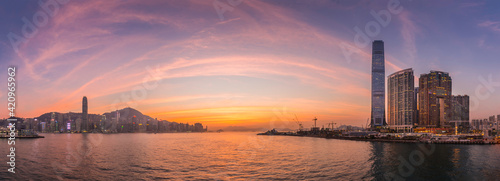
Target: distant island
x,y
127,120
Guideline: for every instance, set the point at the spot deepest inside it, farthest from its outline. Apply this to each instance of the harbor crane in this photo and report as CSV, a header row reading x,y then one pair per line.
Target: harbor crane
x,y
332,124
315,119
299,123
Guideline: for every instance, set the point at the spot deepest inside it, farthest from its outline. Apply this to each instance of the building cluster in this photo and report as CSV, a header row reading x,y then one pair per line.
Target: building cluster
x,y
426,107
490,125
127,120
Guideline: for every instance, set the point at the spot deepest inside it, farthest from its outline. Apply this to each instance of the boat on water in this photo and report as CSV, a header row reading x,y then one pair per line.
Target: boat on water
x,y
24,133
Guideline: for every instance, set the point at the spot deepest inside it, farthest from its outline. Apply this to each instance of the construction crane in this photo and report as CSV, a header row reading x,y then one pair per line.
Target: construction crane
x,y
315,119
332,124
299,123
367,123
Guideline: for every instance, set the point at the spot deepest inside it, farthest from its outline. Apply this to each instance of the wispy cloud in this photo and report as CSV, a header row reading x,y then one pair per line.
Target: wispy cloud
x,y
408,31
100,59
471,4
491,25
265,55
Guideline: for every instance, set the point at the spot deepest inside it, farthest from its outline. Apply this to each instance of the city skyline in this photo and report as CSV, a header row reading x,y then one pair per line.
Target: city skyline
x,y
250,90
126,120
262,60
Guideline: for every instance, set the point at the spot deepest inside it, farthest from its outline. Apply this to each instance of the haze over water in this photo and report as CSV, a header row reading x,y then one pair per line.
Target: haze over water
x,y
238,156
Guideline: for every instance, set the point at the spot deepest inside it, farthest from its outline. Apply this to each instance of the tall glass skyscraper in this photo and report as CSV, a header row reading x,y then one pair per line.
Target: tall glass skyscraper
x,y
378,84
400,87
85,114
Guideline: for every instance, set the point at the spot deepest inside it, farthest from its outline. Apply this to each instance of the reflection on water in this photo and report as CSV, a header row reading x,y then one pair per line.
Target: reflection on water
x,y
445,162
228,156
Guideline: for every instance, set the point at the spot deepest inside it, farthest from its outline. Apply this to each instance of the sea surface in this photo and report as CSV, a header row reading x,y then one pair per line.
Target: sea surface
x,y
241,156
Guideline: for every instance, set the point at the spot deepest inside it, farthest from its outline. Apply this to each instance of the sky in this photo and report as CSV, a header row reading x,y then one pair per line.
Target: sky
x,y
244,63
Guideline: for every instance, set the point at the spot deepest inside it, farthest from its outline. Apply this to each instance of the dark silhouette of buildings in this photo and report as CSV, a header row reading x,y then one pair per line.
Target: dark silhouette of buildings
x,y
125,120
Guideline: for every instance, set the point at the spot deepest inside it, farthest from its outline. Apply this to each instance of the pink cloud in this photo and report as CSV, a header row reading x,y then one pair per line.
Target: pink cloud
x,y
236,47
492,25
471,4
409,30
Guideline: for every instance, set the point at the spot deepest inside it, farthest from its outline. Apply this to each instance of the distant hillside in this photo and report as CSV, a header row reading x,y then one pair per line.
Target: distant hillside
x,y
242,129
125,114
130,121
128,113
346,127
70,115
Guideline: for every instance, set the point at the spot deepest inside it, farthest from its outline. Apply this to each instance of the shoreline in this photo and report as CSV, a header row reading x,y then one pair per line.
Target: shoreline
x,y
386,140
25,137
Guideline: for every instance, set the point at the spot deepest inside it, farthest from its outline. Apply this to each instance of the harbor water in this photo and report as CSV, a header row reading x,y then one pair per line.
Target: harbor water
x,y
242,156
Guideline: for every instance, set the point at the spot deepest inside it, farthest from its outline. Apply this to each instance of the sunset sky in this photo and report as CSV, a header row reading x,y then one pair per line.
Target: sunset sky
x,y
257,66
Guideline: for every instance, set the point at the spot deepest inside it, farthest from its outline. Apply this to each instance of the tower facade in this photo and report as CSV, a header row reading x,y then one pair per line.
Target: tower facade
x,y
400,90
378,84
434,99
460,107
85,116
416,106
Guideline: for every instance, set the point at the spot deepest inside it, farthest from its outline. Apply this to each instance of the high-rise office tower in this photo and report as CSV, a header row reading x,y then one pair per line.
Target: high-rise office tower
x,y
400,87
378,84
498,123
85,116
415,106
460,108
434,99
